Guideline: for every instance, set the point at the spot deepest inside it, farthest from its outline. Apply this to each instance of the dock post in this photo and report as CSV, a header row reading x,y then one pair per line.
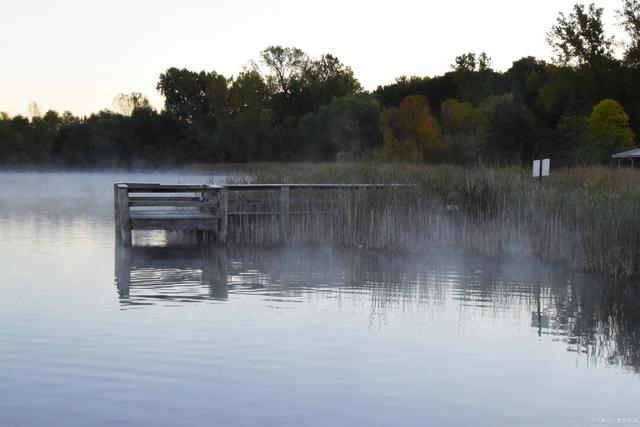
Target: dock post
x,y
116,215
209,199
123,219
223,208
284,214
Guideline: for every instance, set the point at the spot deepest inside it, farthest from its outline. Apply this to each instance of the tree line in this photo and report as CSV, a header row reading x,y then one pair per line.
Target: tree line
x,y
578,108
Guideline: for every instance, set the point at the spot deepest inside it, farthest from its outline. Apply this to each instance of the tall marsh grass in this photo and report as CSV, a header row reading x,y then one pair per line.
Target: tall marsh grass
x,y
586,217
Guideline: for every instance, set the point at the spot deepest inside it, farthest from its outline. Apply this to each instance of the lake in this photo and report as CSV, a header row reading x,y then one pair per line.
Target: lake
x,y
295,336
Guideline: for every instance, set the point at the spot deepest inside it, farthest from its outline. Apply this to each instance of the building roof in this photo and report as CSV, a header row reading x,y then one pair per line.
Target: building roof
x,y
626,154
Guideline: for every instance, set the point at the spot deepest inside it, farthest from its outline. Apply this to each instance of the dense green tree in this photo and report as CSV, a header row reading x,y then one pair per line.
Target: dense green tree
x,y
629,17
346,129
579,38
468,62
465,62
183,94
329,78
476,86
300,84
11,142
249,90
392,94
286,65
44,131
192,96
506,130
473,78
525,79
572,139
245,138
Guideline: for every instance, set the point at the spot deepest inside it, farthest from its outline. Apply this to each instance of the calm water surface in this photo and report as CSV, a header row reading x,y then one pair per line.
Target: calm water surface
x,y
298,336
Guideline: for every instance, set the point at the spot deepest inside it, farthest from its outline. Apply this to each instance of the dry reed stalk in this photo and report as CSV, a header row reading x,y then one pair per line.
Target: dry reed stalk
x,y
586,217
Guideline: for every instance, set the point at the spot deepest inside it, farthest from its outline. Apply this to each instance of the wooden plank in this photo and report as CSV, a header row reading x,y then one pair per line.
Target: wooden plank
x,y
209,200
169,188
169,203
167,214
231,213
157,184
247,187
164,199
166,190
141,184
209,223
265,213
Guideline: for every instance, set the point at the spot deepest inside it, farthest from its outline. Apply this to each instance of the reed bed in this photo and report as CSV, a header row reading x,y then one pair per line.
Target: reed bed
x,y
585,217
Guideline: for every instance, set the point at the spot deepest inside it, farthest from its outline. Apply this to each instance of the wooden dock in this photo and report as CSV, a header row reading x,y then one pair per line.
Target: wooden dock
x,y
207,209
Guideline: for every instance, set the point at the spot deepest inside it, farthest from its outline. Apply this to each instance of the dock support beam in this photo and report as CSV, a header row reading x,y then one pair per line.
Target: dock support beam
x,y
284,214
223,209
122,217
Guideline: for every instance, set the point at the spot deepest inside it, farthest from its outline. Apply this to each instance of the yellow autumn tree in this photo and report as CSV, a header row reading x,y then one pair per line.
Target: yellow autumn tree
x,y
608,130
410,133
460,130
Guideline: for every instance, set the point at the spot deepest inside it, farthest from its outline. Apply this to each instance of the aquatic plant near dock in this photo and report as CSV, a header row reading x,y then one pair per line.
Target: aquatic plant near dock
x,y
586,217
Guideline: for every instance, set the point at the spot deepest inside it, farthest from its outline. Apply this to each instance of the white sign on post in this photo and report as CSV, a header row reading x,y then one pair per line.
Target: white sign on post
x,y
546,164
539,169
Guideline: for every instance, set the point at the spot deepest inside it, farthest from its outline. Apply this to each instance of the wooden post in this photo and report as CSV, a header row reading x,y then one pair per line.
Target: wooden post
x,y
123,216
223,209
116,214
209,208
284,214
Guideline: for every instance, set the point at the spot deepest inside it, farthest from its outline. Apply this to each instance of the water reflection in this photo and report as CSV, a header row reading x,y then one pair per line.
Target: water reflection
x,y
592,316
602,319
294,336
170,274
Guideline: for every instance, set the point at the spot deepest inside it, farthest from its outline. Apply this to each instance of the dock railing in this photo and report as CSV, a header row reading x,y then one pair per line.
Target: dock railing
x,y
213,209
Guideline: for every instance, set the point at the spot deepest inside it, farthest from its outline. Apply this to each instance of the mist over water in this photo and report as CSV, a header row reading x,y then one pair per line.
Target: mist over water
x,y
316,335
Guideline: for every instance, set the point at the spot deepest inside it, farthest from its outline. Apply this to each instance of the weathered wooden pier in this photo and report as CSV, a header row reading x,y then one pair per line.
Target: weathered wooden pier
x,y
207,209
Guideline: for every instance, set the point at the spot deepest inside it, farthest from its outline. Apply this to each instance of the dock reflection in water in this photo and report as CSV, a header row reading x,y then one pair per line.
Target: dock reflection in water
x,y
170,274
595,318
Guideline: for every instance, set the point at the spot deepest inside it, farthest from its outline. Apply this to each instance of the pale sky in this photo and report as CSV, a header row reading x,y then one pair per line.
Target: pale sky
x,y
78,55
